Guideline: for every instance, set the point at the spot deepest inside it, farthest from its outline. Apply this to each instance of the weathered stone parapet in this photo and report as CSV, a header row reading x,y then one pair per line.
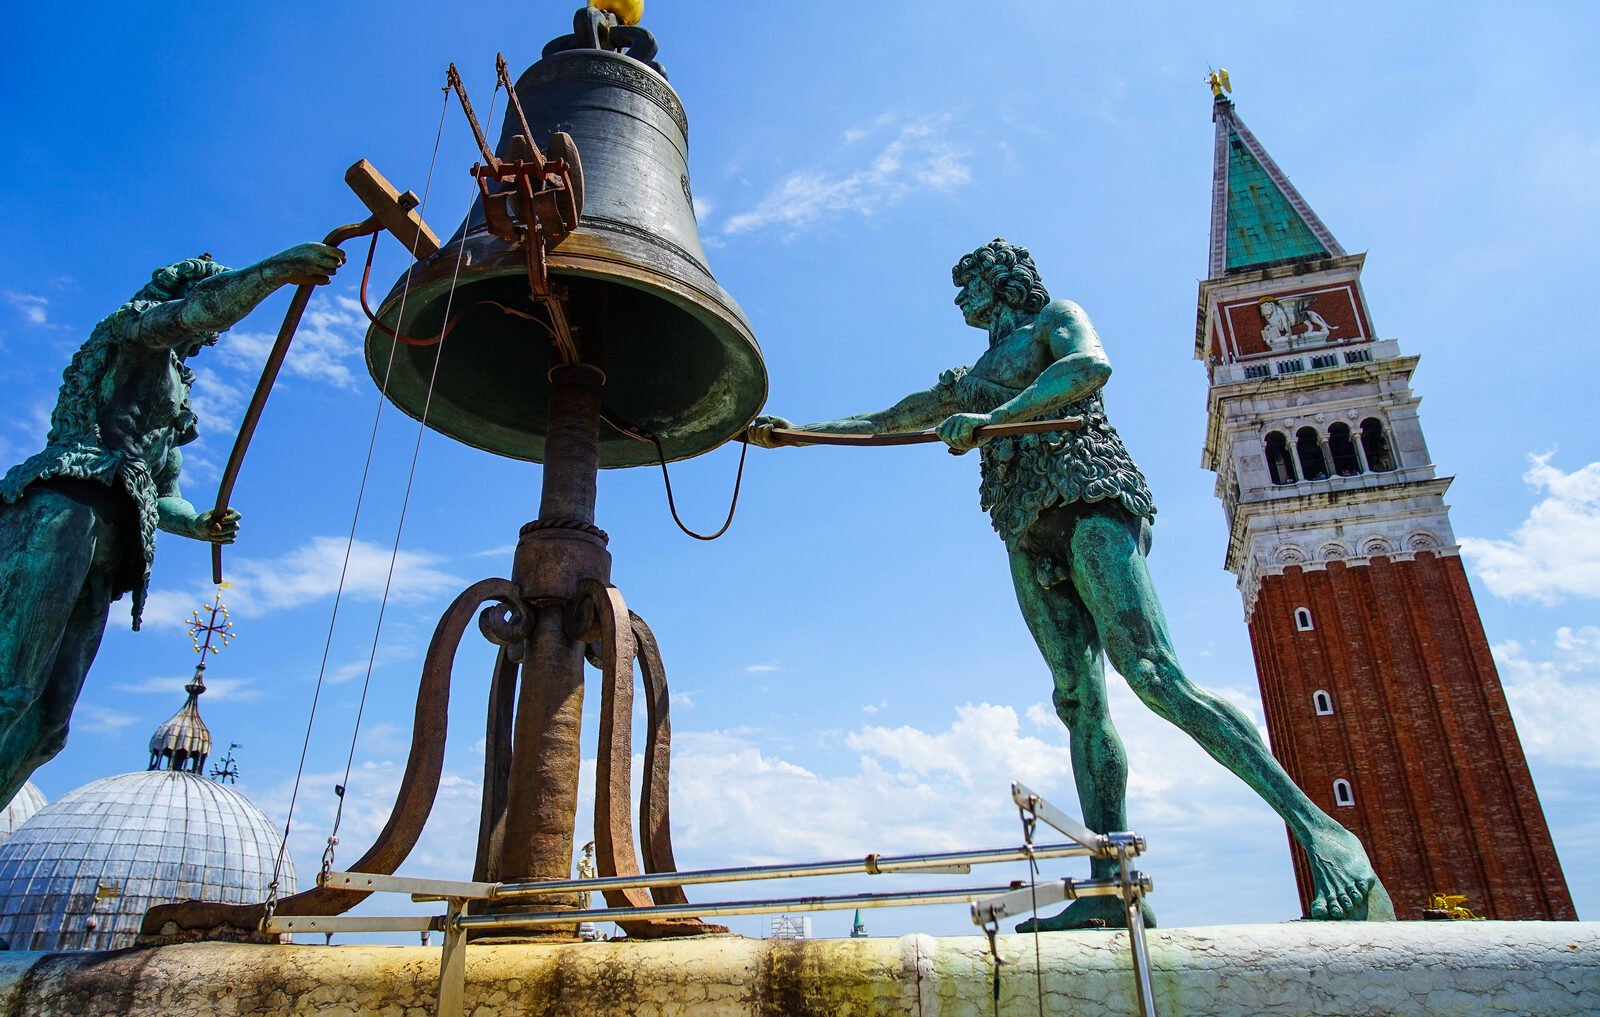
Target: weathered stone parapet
x,y
1502,968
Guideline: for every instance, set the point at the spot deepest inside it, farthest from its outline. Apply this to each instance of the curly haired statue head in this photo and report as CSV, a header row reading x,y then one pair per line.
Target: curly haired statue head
x,y
1009,271
76,414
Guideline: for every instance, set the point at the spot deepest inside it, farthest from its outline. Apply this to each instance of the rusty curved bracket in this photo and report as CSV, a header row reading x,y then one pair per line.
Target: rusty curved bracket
x,y
613,779
419,785
613,823
655,821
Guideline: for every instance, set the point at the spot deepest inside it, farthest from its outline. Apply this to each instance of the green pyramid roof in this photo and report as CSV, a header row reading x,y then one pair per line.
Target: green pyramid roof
x,y
1257,216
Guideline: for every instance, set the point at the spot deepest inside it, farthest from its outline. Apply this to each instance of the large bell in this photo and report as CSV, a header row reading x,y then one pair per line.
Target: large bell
x,y
679,356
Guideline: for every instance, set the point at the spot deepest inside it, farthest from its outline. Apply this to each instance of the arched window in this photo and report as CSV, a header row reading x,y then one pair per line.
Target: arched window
x,y
1342,795
1279,461
1302,619
1309,451
1322,703
1345,461
1375,443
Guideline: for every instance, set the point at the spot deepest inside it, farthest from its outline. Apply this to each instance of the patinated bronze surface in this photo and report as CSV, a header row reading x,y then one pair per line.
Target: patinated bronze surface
x,y
1075,515
78,520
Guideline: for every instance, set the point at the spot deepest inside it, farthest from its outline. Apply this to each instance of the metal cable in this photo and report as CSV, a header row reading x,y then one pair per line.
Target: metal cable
x,y
394,553
305,745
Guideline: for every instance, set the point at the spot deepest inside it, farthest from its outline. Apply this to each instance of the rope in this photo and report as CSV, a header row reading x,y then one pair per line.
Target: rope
x,y
672,506
394,552
638,433
322,670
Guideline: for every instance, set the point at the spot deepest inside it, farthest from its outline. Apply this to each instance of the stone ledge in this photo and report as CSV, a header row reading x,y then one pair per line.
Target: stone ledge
x,y
1547,968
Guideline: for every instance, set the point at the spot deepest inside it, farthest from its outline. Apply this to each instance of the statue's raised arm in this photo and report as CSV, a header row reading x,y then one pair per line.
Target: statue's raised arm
x,y
78,519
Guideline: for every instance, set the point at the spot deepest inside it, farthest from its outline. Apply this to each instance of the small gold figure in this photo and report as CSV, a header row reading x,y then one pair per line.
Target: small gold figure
x,y
1218,80
1450,906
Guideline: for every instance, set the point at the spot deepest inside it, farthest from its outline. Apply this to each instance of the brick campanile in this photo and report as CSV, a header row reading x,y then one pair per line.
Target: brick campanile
x,y
1381,697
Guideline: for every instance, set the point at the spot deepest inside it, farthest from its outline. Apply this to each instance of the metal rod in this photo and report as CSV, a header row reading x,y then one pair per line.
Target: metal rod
x,y
1029,799
339,923
713,910
872,864
436,889
795,436
1141,956
946,861
1014,902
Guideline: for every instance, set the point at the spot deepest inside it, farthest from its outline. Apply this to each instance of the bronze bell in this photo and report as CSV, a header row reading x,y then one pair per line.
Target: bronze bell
x,y
679,357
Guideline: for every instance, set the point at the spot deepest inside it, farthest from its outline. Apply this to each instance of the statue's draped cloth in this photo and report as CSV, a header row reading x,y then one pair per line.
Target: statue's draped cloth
x,y
1023,475
129,446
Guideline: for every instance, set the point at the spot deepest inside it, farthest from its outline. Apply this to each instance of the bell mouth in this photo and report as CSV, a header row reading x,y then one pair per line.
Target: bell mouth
x,y
679,357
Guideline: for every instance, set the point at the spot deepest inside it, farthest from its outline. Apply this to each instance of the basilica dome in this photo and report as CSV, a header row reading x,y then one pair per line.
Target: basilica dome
x,y
81,872
24,804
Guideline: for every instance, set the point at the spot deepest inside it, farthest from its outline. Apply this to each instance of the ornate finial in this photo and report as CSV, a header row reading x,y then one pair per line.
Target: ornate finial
x,y
208,634
183,741
228,771
1218,80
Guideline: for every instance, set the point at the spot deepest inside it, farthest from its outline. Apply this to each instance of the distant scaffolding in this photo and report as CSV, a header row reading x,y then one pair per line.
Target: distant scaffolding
x,y
791,927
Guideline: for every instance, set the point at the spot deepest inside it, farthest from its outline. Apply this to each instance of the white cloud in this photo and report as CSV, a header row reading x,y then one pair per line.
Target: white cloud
x,y
736,799
766,668
1556,700
100,720
917,158
1555,553
328,339
311,572
231,688
33,308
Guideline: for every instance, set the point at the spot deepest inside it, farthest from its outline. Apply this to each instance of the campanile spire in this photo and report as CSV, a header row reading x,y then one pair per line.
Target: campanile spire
x,y
1381,696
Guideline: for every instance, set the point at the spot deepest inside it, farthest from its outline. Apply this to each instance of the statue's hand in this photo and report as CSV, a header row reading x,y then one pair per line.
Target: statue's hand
x,y
225,532
760,431
956,431
305,264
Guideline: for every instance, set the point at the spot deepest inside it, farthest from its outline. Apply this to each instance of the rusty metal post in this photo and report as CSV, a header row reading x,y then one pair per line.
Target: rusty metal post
x,y
557,551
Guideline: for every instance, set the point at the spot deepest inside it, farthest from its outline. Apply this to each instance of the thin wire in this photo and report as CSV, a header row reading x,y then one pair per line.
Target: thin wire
x,y
305,745
394,554
1029,823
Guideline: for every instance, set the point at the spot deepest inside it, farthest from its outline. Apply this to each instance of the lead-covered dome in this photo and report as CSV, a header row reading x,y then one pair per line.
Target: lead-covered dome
x,y
80,874
23,805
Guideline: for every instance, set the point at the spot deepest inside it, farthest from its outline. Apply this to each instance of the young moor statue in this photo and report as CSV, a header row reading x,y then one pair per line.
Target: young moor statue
x,y
1075,515
78,520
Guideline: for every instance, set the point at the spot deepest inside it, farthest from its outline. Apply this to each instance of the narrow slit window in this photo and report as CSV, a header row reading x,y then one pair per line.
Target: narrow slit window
x,y
1342,795
1279,461
1322,703
1302,619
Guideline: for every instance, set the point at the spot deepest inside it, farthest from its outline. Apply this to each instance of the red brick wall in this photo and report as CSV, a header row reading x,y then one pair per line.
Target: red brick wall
x,y
1420,729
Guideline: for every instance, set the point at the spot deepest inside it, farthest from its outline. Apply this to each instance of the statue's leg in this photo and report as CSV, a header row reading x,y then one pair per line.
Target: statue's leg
x,y
1065,632
1109,570
47,552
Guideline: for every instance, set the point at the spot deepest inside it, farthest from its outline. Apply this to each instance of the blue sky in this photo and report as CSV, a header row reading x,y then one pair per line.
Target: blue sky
x,y
849,670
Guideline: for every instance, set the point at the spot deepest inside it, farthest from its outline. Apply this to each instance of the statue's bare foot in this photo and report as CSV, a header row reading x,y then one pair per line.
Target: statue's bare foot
x,y
1346,888
1089,913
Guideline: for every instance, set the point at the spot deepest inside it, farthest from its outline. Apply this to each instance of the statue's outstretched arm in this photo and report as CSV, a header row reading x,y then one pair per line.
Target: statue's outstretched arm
x,y
174,513
915,412
222,301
